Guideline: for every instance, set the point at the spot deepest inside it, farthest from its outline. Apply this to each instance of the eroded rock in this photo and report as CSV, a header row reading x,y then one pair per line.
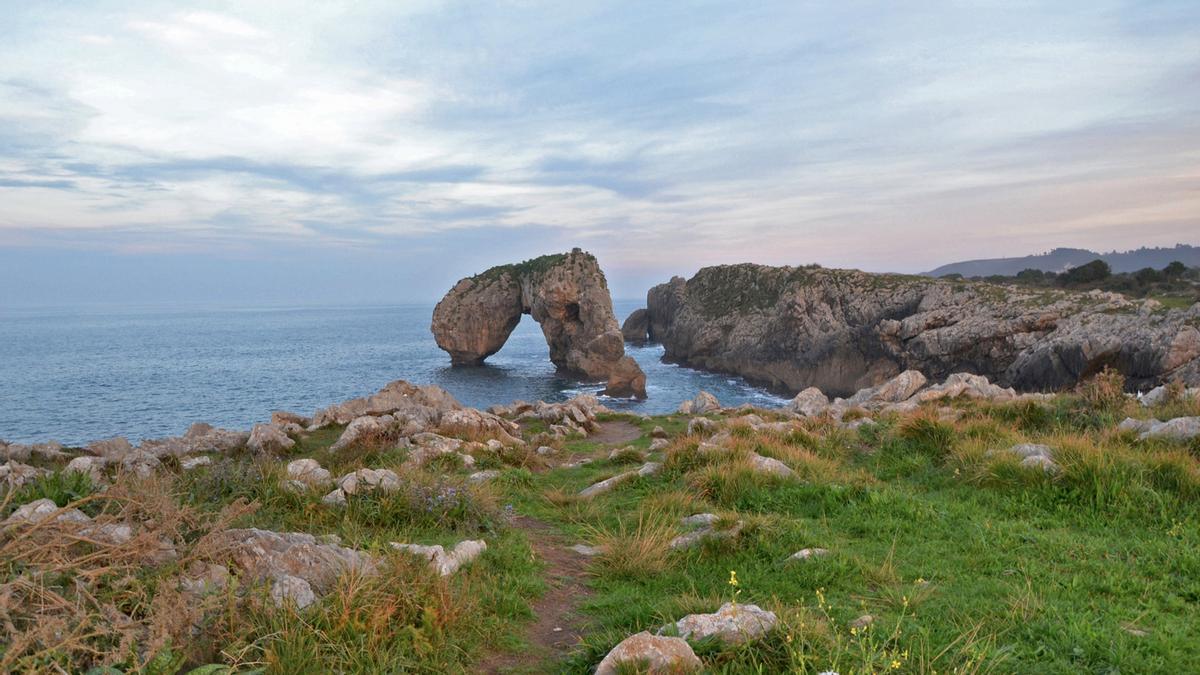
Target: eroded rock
x,y
445,562
566,294
733,623
655,654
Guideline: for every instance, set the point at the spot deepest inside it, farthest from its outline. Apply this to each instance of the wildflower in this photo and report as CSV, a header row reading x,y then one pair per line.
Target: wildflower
x,y
895,664
733,580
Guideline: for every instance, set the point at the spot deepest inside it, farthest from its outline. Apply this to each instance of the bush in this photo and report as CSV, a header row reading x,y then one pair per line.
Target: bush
x,y
1097,270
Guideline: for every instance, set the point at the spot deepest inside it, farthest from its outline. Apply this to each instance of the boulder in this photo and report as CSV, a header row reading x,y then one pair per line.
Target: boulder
x,y
264,555
1178,429
421,406
92,467
308,472
626,379
40,509
897,389
566,294
363,481
770,465
733,623
636,327
965,384
266,439
701,426
809,403
703,403
651,654
476,425
362,429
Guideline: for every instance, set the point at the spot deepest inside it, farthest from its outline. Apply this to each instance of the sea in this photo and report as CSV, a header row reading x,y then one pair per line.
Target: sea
x,y
82,374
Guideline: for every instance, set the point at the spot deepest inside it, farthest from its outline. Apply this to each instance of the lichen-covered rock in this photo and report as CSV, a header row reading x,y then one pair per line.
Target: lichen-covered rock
x,y
566,294
40,509
289,590
650,654
845,330
477,425
965,384
733,623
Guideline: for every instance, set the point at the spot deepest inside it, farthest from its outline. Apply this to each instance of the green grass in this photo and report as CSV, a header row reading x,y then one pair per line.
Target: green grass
x,y
967,561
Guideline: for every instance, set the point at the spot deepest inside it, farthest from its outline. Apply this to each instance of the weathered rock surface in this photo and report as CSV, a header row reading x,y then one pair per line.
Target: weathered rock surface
x,y
267,439
648,653
636,328
1178,429
844,330
265,555
406,402
446,562
647,469
704,402
809,403
566,294
16,474
731,624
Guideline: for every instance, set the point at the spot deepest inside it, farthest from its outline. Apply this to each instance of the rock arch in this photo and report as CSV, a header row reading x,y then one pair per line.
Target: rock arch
x,y
566,294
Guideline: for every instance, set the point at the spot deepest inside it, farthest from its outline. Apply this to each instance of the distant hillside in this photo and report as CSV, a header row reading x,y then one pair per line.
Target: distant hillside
x,y
1061,259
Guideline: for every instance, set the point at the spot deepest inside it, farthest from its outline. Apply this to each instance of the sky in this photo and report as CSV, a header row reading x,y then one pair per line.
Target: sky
x,y
363,152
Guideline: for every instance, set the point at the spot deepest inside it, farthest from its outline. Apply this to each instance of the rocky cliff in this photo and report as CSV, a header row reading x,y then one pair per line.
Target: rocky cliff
x,y
566,294
843,330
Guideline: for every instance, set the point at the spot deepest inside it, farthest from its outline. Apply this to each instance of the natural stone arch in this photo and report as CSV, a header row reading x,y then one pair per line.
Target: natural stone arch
x,y
566,294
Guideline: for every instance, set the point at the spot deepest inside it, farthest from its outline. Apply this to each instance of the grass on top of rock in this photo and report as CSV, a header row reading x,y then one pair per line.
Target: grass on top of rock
x,y
931,546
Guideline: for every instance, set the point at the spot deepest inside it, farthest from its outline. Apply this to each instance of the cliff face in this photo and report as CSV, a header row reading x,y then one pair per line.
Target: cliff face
x,y
566,294
843,330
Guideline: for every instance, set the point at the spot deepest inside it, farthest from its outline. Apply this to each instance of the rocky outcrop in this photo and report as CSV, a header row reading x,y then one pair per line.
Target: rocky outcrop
x,y
636,328
844,330
566,294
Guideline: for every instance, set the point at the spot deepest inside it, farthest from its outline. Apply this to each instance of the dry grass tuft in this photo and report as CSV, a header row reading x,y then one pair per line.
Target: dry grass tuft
x,y
633,551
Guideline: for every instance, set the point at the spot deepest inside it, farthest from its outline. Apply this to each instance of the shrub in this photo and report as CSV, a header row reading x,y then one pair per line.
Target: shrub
x,y
1105,391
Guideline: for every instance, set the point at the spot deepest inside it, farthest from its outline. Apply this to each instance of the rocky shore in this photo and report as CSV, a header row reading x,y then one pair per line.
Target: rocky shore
x,y
843,330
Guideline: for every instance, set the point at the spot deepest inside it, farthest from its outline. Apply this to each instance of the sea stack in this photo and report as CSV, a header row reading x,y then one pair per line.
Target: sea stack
x,y
566,294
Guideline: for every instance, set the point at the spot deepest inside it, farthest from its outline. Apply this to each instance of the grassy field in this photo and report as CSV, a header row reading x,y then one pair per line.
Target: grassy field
x,y
966,561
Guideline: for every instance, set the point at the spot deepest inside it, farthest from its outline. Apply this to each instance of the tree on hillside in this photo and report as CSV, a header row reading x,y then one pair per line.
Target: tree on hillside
x,y
1175,269
1097,270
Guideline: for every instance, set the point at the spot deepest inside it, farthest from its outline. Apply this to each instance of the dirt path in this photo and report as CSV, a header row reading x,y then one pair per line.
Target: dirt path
x,y
557,625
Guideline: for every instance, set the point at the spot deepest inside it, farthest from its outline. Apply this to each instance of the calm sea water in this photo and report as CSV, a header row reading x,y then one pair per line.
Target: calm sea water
x,y
80,375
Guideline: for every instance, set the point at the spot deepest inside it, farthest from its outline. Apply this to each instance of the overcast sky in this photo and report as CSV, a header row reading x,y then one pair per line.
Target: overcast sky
x,y
376,151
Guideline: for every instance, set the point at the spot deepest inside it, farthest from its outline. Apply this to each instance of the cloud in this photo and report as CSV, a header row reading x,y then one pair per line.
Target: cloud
x,y
660,136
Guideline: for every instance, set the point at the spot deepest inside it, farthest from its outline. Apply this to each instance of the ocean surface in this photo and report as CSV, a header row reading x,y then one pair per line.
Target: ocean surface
x,y
80,375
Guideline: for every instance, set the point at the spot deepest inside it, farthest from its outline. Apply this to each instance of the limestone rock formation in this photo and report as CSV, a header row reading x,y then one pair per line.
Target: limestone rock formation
x,y
566,294
646,653
845,330
636,327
